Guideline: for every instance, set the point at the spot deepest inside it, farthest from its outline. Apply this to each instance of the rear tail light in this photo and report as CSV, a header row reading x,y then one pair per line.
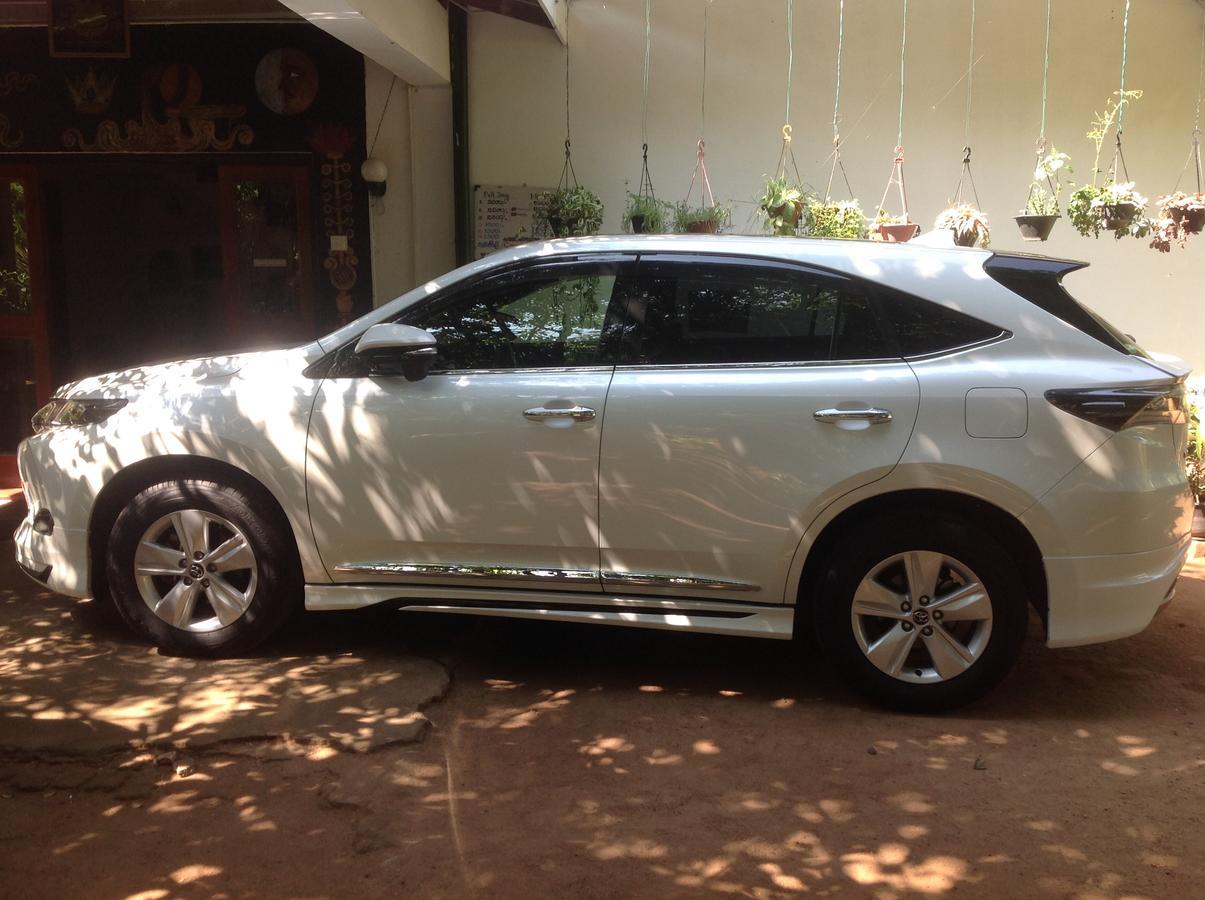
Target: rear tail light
x,y
1123,407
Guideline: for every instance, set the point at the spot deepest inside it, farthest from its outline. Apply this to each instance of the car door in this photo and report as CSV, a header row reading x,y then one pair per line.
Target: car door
x,y
748,396
484,473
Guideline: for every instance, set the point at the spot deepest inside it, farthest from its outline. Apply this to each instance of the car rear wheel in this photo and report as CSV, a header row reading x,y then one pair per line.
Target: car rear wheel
x,y
200,570
922,612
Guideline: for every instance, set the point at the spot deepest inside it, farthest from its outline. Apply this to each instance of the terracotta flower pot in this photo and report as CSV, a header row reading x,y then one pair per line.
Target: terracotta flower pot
x,y
1191,221
1035,228
1117,216
899,234
703,226
1198,522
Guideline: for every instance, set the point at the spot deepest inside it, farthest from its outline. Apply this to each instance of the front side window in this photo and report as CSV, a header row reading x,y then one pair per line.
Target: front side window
x,y
693,313
538,320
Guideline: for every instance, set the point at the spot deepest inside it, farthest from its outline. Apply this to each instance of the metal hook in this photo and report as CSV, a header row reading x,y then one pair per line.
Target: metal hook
x,y
966,156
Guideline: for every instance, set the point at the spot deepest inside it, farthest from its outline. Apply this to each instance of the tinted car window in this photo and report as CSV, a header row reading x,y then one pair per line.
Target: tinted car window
x,y
548,319
922,328
693,313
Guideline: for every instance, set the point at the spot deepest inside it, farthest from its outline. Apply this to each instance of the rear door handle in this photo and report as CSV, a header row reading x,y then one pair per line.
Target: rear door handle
x,y
542,413
871,414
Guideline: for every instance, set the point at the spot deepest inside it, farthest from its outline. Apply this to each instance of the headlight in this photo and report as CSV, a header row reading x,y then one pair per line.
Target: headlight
x,y
68,413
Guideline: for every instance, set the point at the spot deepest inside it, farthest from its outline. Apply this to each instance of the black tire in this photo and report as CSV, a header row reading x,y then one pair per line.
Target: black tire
x,y
864,548
279,584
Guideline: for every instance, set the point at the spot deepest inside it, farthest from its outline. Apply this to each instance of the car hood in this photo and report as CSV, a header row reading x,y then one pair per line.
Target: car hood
x,y
183,374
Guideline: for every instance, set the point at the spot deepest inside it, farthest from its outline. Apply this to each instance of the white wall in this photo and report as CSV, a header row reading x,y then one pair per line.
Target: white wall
x,y
517,108
412,226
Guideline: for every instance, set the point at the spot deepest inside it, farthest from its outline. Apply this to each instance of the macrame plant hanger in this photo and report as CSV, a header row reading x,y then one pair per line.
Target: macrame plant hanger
x,y
1038,227
836,154
1194,153
965,178
644,189
1187,213
706,197
901,228
568,178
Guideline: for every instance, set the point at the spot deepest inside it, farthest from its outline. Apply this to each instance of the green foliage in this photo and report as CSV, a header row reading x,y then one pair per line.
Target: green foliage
x,y
782,204
652,210
1181,217
1047,185
573,212
15,292
1102,122
836,220
1094,210
694,219
968,224
1194,456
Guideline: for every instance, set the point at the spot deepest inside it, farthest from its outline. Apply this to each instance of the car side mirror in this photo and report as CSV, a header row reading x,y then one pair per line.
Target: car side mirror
x,y
390,350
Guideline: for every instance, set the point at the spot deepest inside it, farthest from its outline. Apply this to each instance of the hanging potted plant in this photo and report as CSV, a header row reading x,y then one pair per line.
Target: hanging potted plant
x,y
699,219
645,214
1114,206
573,212
844,220
782,204
1042,208
894,229
968,224
1186,210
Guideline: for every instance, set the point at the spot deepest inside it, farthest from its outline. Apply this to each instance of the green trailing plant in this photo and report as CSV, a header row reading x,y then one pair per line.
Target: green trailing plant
x,y
1047,186
699,219
843,220
645,214
968,224
782,204
1113,206
573,212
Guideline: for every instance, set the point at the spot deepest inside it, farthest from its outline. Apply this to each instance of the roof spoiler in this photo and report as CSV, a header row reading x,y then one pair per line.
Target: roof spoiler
x,y
1032,264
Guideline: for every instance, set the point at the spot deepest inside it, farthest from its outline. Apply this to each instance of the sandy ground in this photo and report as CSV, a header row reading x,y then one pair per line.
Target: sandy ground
x,y
565,761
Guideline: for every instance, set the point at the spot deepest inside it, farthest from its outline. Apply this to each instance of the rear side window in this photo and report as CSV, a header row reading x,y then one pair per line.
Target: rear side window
x,y
1040,281
698,313
923,328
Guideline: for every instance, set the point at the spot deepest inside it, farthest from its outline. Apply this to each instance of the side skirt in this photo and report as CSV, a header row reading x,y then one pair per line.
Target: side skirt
x,y
700,616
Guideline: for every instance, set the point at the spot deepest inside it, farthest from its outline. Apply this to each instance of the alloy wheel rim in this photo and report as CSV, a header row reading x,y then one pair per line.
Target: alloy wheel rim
x,y
195,570
922,617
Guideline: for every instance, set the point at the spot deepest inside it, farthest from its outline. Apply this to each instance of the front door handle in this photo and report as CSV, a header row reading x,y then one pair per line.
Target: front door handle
x,y
543,413
871,414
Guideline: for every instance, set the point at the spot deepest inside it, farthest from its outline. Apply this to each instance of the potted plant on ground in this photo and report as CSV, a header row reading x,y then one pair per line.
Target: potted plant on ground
x,y
1194,464
782,204
968,224
894,229
645,214
699,219
1042,208
573,211
844,220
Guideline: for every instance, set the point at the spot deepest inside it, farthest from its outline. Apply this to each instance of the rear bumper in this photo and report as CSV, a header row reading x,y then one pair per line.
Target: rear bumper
x,y
1103,598
58,560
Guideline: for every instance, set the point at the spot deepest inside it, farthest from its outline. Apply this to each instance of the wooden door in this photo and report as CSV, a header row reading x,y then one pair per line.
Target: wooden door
x,y
266,254
24,354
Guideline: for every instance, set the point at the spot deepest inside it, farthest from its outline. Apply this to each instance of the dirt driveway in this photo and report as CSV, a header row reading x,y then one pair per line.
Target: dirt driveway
x,y
390,755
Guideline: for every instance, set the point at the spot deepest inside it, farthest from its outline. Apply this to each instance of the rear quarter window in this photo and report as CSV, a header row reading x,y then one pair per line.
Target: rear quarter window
x,y
923,328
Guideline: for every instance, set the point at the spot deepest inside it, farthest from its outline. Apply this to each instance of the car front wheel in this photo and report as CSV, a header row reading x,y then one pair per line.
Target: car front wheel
x,y
922,612
199,569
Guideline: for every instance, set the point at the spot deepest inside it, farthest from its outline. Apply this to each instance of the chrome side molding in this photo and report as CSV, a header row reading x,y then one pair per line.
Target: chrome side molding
x,y
427,570
675,581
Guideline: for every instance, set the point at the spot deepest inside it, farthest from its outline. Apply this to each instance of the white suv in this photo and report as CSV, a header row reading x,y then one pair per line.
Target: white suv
x,y
902,448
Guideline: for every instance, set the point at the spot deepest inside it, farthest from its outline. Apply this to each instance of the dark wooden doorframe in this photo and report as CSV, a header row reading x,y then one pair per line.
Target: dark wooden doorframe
x,y
32,326
228,176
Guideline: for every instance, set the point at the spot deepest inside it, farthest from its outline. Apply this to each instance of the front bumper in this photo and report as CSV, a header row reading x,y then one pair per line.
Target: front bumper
x,y
58,560
1103,598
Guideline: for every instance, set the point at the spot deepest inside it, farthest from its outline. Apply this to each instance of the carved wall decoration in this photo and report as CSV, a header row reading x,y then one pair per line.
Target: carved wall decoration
x,y
13,83
187,127
338,218
286,81
91,94
10,138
